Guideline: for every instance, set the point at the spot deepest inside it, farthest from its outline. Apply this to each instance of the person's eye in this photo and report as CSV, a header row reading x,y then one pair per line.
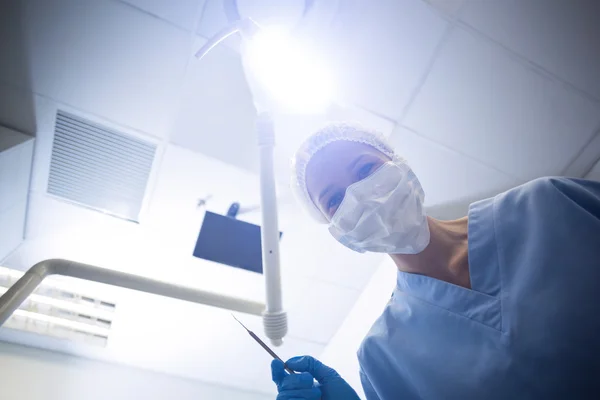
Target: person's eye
x,y
365,170
334,202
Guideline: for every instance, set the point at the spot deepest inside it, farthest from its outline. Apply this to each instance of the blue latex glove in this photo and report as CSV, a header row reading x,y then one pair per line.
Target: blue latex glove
x,y
302,387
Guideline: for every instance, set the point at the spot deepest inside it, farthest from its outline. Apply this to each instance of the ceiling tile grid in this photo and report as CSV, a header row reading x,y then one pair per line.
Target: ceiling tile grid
x,y
594,173
17,109
450,8
447,176
513,86
184,13
586,158
214,114
378,61
482,102
559,36
316,309
102,56
322,258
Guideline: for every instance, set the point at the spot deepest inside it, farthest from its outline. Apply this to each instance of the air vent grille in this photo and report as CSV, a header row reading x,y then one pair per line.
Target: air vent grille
x,y
99,168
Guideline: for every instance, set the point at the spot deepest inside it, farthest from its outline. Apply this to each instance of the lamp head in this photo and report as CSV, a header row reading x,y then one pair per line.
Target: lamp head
x,y
280,70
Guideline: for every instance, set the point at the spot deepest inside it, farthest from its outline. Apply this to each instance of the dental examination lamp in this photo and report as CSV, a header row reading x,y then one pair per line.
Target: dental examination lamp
x,y
282,78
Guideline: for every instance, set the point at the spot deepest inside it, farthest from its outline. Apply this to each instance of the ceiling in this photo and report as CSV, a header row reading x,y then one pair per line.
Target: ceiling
x,y
477,96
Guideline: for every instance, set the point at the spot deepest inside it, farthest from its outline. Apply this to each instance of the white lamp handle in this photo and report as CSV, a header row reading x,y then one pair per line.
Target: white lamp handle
x,y
274,318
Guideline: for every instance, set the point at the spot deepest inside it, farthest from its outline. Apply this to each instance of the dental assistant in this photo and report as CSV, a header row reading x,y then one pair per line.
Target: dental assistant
x,y
501,304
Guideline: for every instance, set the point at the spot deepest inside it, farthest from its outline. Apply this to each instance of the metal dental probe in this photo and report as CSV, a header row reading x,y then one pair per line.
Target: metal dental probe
x,y
263,345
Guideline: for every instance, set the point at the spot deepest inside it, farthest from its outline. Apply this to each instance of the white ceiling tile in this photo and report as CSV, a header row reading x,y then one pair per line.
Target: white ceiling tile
x,y
382,49
353,269
480,101
447,176
182,13
14,68
20,259
594,173
308,250
450,7
215,115
44,116
10,138
560,36
186,176
316,311
17,109
273,12
106,58
585,159
12,223
15,172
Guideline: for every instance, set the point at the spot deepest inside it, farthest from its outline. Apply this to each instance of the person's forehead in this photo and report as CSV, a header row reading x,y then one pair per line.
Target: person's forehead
x,y
340,152
330,164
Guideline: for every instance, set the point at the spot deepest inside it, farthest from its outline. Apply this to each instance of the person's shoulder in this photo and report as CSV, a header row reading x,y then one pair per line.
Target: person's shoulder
x,y
542,184
551,196
551,185
524,201
540,187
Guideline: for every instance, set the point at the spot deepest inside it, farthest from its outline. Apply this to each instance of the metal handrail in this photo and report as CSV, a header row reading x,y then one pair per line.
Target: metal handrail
x,y
17,293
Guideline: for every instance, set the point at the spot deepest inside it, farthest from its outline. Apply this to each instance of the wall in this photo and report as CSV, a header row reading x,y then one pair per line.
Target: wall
x,y
31,374
341,351
16,152
594,173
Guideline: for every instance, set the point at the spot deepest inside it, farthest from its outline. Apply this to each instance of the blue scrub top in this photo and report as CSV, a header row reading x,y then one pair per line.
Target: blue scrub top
x,y
530,326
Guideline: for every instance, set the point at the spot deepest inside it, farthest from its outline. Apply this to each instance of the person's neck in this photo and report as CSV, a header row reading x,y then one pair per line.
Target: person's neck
x,y
446,256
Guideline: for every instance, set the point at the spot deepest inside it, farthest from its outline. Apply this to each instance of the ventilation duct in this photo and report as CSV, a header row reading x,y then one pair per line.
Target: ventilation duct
x,y
98,167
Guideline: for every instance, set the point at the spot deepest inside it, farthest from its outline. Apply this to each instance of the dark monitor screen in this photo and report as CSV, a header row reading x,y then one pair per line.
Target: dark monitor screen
x,y
230,241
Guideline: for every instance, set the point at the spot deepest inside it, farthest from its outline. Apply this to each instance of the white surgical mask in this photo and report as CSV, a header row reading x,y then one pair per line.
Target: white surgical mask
x,y
383,213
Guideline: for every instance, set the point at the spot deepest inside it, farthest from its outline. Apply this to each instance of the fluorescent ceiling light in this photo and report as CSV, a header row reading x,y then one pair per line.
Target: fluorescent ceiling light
x,y
74,325
67,305
58,306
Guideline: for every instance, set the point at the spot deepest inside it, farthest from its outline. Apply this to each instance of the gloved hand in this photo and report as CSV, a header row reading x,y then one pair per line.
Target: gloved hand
x,y
302,387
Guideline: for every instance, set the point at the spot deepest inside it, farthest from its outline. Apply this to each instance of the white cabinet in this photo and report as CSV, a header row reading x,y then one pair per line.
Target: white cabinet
x,y
16,154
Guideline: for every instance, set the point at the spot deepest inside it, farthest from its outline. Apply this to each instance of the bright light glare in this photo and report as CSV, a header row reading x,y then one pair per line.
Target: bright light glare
x,y
296,80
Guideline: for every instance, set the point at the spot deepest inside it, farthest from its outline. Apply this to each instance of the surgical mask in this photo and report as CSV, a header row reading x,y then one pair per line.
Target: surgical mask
x,y
383,213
